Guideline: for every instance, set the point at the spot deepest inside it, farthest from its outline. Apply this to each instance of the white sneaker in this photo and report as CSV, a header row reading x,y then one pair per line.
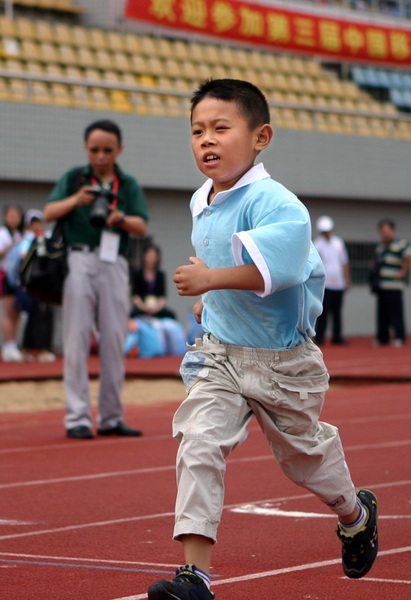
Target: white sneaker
x,y
46,357
397,343
12,354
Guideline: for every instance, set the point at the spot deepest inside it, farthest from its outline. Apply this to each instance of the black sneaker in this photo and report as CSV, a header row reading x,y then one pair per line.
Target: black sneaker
x,y
360,550
186,586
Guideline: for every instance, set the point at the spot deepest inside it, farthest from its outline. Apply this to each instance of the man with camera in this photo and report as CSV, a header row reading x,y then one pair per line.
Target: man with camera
x,y
100,206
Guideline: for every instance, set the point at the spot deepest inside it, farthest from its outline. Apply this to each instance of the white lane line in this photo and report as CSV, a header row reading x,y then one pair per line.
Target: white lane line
x,y
383,580
390,485
5,486
253,428
284,571
85,526
90,560
266,511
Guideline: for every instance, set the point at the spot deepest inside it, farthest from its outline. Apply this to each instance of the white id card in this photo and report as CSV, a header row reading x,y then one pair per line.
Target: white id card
x,y
109,245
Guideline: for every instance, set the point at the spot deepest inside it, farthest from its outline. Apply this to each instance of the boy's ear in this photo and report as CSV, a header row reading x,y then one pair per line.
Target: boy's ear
x,y
264,136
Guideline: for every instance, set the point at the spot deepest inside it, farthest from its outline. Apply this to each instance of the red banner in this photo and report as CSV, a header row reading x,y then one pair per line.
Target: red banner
x,y
279,29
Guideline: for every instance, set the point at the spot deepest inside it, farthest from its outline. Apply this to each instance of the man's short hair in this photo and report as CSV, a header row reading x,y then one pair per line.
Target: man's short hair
x,y
389,222
250,100
104,125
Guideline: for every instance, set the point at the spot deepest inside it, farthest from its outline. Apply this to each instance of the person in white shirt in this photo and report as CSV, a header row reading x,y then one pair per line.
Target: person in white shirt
x,y
334,255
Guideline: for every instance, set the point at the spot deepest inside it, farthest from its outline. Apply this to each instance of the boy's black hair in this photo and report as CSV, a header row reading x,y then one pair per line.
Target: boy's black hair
x,y
104,125
249,98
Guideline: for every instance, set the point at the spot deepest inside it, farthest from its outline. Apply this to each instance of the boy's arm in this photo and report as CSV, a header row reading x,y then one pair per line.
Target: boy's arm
x,y
197,278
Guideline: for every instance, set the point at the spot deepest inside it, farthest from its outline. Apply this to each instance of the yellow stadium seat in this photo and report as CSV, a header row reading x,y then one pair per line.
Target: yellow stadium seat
x,y
121,61
120,101
74,72
115,42
347,124
33,66
48,53
402,130
18,90
14,64
146,80
60,94
164,48
111,77
242,58
55,70
362,126
86,57
180,50
172,68
132,43
30,50
286,117
104,60
92,74
80,37
174,106
97,39
139,64
149,46
228,56
25,29
156,106
256,60
7,27
155,66
44,31
128,79
63,34
5,94
67,55
39,92
305,119
97,99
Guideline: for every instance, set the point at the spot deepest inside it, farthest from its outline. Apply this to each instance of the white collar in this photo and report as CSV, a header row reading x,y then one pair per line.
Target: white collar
x,y
256,173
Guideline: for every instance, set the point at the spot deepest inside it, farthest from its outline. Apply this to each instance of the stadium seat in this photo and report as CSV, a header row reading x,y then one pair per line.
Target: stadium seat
x,y
18,90
64,34
48,53
104,60
180,50
97,99
121,61
67,55
86,57
44,31
29,50
91,74
115,42
97,39
33,66
39,93
7,27
120,101
112,77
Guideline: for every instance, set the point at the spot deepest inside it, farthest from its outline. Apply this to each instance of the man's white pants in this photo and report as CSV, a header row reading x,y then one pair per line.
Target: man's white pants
x,y
95,294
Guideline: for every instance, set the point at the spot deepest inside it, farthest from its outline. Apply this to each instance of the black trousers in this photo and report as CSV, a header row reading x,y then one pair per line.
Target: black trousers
x,y
332,306
390,316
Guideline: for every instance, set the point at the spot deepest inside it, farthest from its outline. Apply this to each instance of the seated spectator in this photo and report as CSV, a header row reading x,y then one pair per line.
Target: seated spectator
x,y
153,328
148,287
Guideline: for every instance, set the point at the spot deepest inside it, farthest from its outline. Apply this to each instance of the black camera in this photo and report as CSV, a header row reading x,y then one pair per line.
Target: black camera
x,y
100,207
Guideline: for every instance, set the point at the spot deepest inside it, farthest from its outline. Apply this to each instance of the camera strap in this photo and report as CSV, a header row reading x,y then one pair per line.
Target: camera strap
x,y
114,186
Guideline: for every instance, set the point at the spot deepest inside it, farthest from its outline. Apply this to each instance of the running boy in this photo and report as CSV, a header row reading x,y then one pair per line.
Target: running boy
x,y
261,282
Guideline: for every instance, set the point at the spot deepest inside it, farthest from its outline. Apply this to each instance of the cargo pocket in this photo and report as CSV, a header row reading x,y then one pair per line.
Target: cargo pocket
x,y
303,386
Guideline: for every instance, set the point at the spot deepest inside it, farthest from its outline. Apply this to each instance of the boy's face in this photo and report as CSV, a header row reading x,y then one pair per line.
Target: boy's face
x,y
102,149
223,144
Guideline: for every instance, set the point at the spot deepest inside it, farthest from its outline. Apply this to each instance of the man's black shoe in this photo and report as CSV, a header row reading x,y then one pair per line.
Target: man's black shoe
x,y
80,432
359,551
121,429
186,586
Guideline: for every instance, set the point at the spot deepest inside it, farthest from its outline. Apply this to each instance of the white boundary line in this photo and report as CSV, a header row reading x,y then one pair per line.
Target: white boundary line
x,y
284,571
390,485
5,486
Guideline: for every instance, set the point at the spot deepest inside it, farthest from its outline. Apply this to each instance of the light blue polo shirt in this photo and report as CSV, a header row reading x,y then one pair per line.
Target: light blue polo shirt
x,y
259,221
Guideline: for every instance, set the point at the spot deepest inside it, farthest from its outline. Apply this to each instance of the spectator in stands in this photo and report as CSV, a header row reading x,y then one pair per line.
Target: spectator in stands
x,y
392,260
38,331
97,285
334,255
10,235
148,287
260,282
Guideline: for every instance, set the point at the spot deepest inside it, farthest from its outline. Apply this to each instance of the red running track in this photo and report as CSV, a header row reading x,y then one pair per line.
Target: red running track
x,y
93,519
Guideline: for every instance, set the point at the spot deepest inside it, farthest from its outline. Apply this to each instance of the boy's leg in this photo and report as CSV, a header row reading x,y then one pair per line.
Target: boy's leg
x,y
310,452
209,424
